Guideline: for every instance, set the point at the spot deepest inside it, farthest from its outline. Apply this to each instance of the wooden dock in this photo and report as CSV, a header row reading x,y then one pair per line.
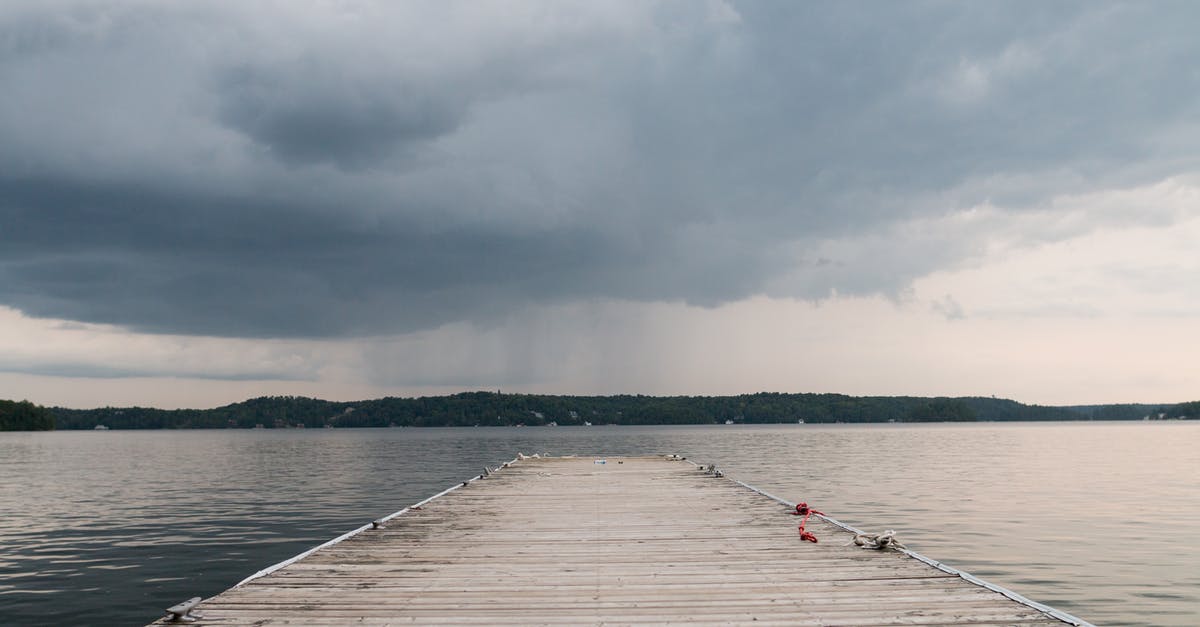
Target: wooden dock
x,y
648,540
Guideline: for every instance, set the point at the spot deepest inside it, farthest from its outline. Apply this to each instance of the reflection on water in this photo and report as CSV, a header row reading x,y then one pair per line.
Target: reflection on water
x,y
1098,519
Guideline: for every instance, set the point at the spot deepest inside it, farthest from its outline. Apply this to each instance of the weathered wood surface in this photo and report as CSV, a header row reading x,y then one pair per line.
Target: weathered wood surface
x,y
565,541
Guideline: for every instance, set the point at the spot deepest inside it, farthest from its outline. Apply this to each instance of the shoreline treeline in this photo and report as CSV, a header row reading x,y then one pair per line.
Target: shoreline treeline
x,y
24,416
496,409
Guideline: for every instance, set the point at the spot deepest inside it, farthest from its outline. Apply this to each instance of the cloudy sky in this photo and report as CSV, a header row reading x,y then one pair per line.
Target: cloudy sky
x,y
202,202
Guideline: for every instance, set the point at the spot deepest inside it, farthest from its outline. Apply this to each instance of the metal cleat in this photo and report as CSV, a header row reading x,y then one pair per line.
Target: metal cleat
x,y
182,613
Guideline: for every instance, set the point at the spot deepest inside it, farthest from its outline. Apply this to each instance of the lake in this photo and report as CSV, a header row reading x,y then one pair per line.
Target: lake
x,y
108,527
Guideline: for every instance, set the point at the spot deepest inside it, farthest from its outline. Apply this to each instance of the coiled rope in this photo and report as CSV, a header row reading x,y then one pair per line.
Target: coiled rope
x,y
879,541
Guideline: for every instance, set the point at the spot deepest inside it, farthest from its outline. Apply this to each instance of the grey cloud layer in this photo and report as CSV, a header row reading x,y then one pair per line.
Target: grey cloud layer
x,y
308,171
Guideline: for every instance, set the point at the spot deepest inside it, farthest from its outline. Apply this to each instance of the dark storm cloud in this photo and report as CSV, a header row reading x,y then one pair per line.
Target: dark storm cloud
x,y
306,113
318,172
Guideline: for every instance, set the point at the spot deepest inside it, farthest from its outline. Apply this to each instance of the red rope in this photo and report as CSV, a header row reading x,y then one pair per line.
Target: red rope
x,y
802,509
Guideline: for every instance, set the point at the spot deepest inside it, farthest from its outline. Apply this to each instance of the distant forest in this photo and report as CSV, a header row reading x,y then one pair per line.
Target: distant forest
x,y
24,416
496,409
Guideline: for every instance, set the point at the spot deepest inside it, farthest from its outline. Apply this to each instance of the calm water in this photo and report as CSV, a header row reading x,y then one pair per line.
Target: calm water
x,y
107,528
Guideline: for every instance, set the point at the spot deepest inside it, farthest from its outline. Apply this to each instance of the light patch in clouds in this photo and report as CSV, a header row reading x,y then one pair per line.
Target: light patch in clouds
x,y
1131,274
972,81
949,308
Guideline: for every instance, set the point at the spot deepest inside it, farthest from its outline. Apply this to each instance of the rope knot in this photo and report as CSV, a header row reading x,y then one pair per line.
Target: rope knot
x,y
802,509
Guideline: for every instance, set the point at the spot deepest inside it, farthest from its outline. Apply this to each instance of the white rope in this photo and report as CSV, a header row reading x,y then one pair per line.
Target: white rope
x,y
877,541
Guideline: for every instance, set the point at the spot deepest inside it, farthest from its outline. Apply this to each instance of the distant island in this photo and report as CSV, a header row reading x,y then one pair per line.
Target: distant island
x,y
497,409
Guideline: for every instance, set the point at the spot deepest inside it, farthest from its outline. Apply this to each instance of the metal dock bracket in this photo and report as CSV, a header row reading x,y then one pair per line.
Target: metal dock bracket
x,y
182,612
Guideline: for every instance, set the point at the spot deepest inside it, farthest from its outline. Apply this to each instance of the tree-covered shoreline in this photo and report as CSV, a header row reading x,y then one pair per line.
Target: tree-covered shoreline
x,y
24,416
496,409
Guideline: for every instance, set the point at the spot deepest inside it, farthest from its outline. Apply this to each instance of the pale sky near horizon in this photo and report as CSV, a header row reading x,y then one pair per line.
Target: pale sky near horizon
x,y
206,202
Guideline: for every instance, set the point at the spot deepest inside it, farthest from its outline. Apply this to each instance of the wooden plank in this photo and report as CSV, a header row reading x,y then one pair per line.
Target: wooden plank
x,y
565,541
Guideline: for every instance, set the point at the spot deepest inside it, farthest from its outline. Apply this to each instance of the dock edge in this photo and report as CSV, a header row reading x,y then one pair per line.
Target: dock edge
x,y
350,534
